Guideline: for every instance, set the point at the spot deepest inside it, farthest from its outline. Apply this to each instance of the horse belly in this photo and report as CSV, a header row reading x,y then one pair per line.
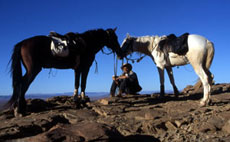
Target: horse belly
x,y
177,60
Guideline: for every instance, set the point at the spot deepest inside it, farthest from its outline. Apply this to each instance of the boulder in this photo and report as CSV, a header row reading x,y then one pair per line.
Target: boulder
x,y
85,131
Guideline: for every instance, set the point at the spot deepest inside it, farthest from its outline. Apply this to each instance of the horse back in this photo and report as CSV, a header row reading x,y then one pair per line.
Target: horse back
x,y
196,42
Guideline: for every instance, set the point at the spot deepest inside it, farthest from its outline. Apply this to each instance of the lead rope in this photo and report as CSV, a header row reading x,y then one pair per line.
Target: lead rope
x,y
96,68
115,64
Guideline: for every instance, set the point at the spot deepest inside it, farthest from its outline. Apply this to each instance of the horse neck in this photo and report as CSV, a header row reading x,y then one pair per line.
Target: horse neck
x,y
143,45
95,40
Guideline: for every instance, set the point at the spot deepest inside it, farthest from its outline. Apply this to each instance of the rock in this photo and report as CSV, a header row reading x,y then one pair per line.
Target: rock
x,y
178,123
75,116
226,127
139,138
187,89
107,101
207,127
217,122
85,131
170,126
130,118
148,127
226,88
37,105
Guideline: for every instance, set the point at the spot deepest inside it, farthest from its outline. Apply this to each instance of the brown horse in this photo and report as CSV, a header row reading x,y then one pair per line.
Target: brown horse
x,y
35,53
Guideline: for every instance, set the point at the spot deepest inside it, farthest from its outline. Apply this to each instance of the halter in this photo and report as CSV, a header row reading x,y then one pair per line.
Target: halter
x,y
135,59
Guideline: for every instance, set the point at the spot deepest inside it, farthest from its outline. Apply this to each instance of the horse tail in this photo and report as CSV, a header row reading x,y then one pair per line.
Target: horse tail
x,y
16,74
210,54
207,63
209,59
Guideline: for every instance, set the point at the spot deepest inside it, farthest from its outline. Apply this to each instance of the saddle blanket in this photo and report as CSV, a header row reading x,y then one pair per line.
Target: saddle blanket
x,y
59,47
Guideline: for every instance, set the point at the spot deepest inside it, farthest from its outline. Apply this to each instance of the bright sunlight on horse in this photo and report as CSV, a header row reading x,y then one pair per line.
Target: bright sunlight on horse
x,y
170,51
35,53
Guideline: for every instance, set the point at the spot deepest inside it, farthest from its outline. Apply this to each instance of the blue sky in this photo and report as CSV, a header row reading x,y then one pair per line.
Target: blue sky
x,y
23,19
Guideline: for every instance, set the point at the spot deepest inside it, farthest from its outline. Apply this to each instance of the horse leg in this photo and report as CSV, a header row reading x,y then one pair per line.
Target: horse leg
x,y
171,78
26,81
76,85
84,75
161,75
200,71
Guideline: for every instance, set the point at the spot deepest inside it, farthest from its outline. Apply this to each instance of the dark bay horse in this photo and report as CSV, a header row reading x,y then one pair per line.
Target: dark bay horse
x,y
35,53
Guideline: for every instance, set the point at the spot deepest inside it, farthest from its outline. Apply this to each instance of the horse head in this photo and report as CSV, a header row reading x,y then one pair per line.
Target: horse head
x,y
112,42
127,45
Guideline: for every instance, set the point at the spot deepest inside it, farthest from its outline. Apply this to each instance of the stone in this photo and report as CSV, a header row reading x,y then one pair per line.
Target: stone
x,y
207,127
105,101
148,127
37,105
178,123
170,126
130,118
226,127
86,131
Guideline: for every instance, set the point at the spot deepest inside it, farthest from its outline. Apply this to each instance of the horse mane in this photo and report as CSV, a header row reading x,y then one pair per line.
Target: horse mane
x,y
99,32
95,37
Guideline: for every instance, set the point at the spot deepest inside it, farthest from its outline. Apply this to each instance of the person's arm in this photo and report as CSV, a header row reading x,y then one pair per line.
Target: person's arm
x,y
132,77
115,78
123,77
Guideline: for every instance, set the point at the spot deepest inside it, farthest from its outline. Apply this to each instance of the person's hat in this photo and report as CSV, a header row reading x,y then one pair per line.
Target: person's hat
x,y
127,65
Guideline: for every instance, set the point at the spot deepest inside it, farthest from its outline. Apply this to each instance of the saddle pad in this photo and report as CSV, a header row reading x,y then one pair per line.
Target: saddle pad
x,y
59,47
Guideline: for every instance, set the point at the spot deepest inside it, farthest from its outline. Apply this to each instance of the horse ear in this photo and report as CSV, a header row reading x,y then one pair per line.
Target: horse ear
x,y
127,35
115,29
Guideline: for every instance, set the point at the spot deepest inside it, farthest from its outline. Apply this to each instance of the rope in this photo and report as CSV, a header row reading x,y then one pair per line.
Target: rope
x,y
106,53
96,68
135,59
115,64
51,73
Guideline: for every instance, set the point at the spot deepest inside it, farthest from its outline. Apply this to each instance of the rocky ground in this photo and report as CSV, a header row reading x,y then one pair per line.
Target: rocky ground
x,y
130,118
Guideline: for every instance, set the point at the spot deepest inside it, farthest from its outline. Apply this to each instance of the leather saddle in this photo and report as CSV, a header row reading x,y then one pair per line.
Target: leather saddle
x,y
75,43
172,43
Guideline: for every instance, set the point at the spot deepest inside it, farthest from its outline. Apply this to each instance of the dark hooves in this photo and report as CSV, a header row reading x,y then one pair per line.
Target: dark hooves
x,y
161,96
81,102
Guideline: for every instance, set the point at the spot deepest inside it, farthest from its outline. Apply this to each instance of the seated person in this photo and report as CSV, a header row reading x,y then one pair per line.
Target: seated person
x,y
127,82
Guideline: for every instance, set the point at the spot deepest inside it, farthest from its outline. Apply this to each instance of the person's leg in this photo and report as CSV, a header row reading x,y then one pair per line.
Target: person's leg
x,y
122,87
113,89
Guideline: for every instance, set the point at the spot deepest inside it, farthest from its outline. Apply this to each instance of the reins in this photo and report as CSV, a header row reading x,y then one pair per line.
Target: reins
x,y
135,59
115,64
96,68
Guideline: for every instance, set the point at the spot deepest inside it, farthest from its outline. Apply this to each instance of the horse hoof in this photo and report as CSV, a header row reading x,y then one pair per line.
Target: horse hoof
x,y
202,104
75,98
162,96
112,95
176,95
205,103
17,113
210,102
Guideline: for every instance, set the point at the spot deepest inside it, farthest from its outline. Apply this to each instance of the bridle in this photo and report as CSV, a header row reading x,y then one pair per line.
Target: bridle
x,y
130,46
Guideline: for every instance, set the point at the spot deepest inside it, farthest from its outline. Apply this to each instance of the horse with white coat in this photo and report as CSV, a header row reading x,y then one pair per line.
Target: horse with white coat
x,y
200,54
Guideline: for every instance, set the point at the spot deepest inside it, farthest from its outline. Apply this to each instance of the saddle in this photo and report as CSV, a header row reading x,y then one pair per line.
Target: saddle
x,y
171,43
62,45
59,47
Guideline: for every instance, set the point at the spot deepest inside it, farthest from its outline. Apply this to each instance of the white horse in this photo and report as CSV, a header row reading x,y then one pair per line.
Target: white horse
x,y
200,55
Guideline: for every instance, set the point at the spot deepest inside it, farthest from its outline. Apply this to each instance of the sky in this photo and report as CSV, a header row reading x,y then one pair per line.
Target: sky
x,y
25,18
